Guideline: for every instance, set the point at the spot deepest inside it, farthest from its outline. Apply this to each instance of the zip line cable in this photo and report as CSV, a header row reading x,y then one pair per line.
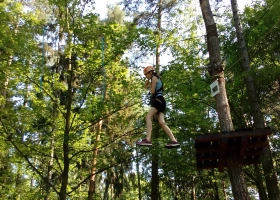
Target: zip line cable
x,y
260,19
256,43
262,38
268,9
251,29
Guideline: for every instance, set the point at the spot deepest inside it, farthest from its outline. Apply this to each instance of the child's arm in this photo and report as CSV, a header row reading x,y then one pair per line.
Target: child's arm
x,y
153,86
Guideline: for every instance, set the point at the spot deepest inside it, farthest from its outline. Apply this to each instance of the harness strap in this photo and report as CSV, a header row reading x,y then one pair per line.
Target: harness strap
x,y
158,100
161,88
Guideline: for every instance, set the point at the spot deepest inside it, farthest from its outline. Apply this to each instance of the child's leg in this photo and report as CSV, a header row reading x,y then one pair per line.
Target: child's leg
x,y
165,127
149,122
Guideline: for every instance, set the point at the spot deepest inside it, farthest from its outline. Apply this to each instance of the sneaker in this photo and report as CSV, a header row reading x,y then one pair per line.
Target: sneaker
x,y
144,142
172,144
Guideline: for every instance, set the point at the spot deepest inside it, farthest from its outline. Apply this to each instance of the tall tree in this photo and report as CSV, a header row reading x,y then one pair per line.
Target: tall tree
x,y
155,194
267,163
60,110
153,20
216,71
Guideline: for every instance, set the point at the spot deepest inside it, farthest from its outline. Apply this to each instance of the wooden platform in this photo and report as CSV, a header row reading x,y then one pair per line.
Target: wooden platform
x,y
212,149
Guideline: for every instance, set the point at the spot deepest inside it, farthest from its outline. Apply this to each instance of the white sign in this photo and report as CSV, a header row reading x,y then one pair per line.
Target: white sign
x,y
215,88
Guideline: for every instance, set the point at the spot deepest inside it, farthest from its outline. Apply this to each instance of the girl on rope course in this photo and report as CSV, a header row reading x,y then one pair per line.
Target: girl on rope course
x,y
158,106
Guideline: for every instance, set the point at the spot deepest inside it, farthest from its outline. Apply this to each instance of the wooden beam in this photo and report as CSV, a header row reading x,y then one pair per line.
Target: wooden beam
x,y
234,134
207,158
223,152
257,144
204,150
243,147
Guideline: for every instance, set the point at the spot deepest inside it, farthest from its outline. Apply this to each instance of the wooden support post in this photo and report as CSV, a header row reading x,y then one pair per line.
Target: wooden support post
x,y
222,155
243,148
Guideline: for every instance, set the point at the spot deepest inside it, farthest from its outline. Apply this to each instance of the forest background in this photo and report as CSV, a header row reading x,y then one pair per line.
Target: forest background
x,y
73,103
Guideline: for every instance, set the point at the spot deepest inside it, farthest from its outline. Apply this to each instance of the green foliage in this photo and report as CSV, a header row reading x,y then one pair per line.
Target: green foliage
x,y
49,129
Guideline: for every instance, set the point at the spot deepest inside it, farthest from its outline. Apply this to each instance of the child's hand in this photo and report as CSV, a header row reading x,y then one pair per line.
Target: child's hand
x,y
147,84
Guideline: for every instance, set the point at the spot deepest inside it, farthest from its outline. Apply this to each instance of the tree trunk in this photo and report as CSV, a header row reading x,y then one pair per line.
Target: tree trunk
x,y
155,157
193,196
216,71
138,175
4,90
66,159
50,169
237,178
215,186
224,191
267,163
92,182
155,179
52,148
5,84
106,190
66,151
259,183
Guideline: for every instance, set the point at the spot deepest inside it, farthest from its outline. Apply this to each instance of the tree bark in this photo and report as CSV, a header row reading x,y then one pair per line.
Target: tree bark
x,y
237,178
267,163
215,186
259,183
50,168
138,175
66,151
155,179
155,157
67,129
193,193
107,184
224,191
216,71
92,182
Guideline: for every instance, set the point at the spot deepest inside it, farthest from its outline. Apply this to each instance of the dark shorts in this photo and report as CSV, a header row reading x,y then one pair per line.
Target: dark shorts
x,y
159,104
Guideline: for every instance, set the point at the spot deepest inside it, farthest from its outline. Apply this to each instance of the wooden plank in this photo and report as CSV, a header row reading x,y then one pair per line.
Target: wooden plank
x,y
223,152
211,150
208,137
234,143
256,153
233,134
257,144
207,154
207,144
263,138
253,151
251,160
207,158
204,150
207,164
243,147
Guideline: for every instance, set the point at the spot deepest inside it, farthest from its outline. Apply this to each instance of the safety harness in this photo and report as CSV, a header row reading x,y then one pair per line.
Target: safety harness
x,y
153,97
